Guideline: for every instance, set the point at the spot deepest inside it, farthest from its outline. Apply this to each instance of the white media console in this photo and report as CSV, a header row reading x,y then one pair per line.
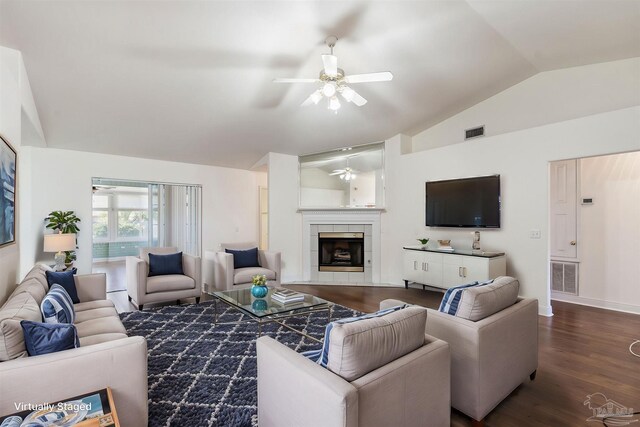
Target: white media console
x,y
439,269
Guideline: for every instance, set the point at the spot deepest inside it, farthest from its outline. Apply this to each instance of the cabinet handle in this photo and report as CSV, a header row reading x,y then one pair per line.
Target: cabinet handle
x,y
460,272
415,265
464,271
426,266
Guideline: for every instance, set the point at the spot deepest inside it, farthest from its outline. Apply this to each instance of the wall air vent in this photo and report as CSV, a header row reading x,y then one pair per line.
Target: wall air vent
x,y
474,132
564,277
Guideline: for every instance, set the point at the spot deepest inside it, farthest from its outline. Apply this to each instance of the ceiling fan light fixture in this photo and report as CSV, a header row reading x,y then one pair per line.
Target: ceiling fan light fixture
x,y
316,96
328,90
334,104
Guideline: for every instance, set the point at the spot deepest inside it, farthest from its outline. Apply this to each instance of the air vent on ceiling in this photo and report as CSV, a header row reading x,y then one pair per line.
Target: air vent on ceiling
x,y
474,132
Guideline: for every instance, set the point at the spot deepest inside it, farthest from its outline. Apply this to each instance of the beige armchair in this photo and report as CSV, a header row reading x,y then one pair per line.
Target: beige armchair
x,y
404,390
174,287
220,274
489,357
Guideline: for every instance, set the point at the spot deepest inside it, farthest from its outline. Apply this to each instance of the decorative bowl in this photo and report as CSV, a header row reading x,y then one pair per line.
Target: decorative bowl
x,y
444,242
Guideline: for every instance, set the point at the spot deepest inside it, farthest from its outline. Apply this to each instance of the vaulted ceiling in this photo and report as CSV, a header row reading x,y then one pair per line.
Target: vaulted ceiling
x,y
191,80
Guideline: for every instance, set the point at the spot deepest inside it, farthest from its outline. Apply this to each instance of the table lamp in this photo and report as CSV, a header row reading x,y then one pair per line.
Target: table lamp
x,y
59,242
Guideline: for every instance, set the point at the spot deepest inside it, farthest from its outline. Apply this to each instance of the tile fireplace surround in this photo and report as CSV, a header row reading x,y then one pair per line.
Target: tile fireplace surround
x,y
336,221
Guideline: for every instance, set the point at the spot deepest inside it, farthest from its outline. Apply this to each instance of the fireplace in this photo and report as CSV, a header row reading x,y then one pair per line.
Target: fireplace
x,y
340,251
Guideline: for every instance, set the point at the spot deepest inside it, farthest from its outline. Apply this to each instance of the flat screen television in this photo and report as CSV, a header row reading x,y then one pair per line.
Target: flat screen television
x,y
468,202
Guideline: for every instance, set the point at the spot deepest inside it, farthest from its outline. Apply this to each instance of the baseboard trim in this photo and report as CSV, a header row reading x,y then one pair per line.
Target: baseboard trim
x,y
607,305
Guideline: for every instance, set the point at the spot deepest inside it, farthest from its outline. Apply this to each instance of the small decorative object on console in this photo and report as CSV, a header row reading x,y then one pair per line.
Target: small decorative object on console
x,y
423,242
445,245
259,288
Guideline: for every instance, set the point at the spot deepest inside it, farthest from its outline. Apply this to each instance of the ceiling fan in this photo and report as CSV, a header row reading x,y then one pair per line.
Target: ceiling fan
x,y
346,174
333,81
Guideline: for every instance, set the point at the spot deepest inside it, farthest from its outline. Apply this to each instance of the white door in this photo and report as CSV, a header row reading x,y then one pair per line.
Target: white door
x,y
432,267
562,204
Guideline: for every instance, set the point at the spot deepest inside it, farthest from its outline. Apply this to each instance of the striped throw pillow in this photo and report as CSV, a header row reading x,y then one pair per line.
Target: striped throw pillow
x,y
321,356
452,296
57,306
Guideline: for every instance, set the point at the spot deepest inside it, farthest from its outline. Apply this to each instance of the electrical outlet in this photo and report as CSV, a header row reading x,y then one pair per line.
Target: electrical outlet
x,y
535,234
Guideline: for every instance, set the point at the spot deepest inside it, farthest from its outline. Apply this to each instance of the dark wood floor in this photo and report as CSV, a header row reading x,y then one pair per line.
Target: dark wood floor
x,y
582,350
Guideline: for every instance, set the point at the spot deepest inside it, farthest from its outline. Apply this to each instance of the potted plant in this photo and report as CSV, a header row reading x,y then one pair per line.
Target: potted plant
x,y
64,222
259,286
423,242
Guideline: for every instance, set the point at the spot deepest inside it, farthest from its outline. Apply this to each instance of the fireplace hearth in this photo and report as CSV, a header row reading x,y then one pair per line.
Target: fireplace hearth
x,y
341,251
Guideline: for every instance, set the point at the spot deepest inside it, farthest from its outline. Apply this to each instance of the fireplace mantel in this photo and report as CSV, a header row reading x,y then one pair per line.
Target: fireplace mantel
x,y
365,216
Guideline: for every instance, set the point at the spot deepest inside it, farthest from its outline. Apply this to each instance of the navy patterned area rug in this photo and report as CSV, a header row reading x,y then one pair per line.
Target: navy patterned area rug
x,y
201,375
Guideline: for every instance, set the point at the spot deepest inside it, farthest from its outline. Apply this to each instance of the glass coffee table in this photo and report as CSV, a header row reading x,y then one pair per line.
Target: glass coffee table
x,y
265,310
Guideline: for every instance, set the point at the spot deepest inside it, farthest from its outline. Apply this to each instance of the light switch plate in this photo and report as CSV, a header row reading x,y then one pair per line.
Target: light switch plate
x,y
535,234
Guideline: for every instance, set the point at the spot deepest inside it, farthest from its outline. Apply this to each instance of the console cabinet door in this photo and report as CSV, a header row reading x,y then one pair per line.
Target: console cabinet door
x,y
475,269
413,266
432,269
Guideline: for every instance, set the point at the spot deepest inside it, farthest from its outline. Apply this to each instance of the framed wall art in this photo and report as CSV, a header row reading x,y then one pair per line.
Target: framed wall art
x,y
8,188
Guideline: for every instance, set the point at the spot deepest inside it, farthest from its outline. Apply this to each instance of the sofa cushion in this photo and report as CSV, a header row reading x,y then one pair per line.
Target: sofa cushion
x,y
172,282
39,272
66,280
357,348
244,275
19,307
243,258
90,305
95,313
164,265
44,338
103,325
57,307
143,253
100,338
479,302
32,287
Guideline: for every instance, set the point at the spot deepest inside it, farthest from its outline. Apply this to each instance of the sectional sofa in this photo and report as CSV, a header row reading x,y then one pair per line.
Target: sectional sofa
x,y
107,357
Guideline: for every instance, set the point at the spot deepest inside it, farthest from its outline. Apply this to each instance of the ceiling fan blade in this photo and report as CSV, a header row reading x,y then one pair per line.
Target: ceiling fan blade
x,y
330,65
286,80
383,76
352,96
336,172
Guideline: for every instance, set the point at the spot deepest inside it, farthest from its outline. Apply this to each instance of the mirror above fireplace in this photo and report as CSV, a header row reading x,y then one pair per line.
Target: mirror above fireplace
x,y
351,177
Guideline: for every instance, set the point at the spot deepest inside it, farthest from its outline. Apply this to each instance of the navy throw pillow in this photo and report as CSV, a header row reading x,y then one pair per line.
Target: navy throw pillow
x,y
66,280
45,338
161,265
244,258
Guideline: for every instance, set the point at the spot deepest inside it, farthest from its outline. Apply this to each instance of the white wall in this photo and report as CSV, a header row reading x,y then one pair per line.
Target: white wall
x,y
548,97
18,120
62,181
522,159
285,223
609,232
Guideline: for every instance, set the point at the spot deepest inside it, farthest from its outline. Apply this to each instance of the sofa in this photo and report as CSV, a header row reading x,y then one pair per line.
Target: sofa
x,y
107,357
220,274
404,383
491,356
173,287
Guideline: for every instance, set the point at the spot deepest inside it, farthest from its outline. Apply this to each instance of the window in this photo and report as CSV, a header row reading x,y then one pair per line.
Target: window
x,y
100,225
121,214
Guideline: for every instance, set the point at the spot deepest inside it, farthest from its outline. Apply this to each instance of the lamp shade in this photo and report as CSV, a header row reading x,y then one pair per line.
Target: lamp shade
x,y
59,242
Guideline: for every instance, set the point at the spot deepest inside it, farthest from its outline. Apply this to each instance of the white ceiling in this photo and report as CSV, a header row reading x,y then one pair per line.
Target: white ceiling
x,y
191,80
